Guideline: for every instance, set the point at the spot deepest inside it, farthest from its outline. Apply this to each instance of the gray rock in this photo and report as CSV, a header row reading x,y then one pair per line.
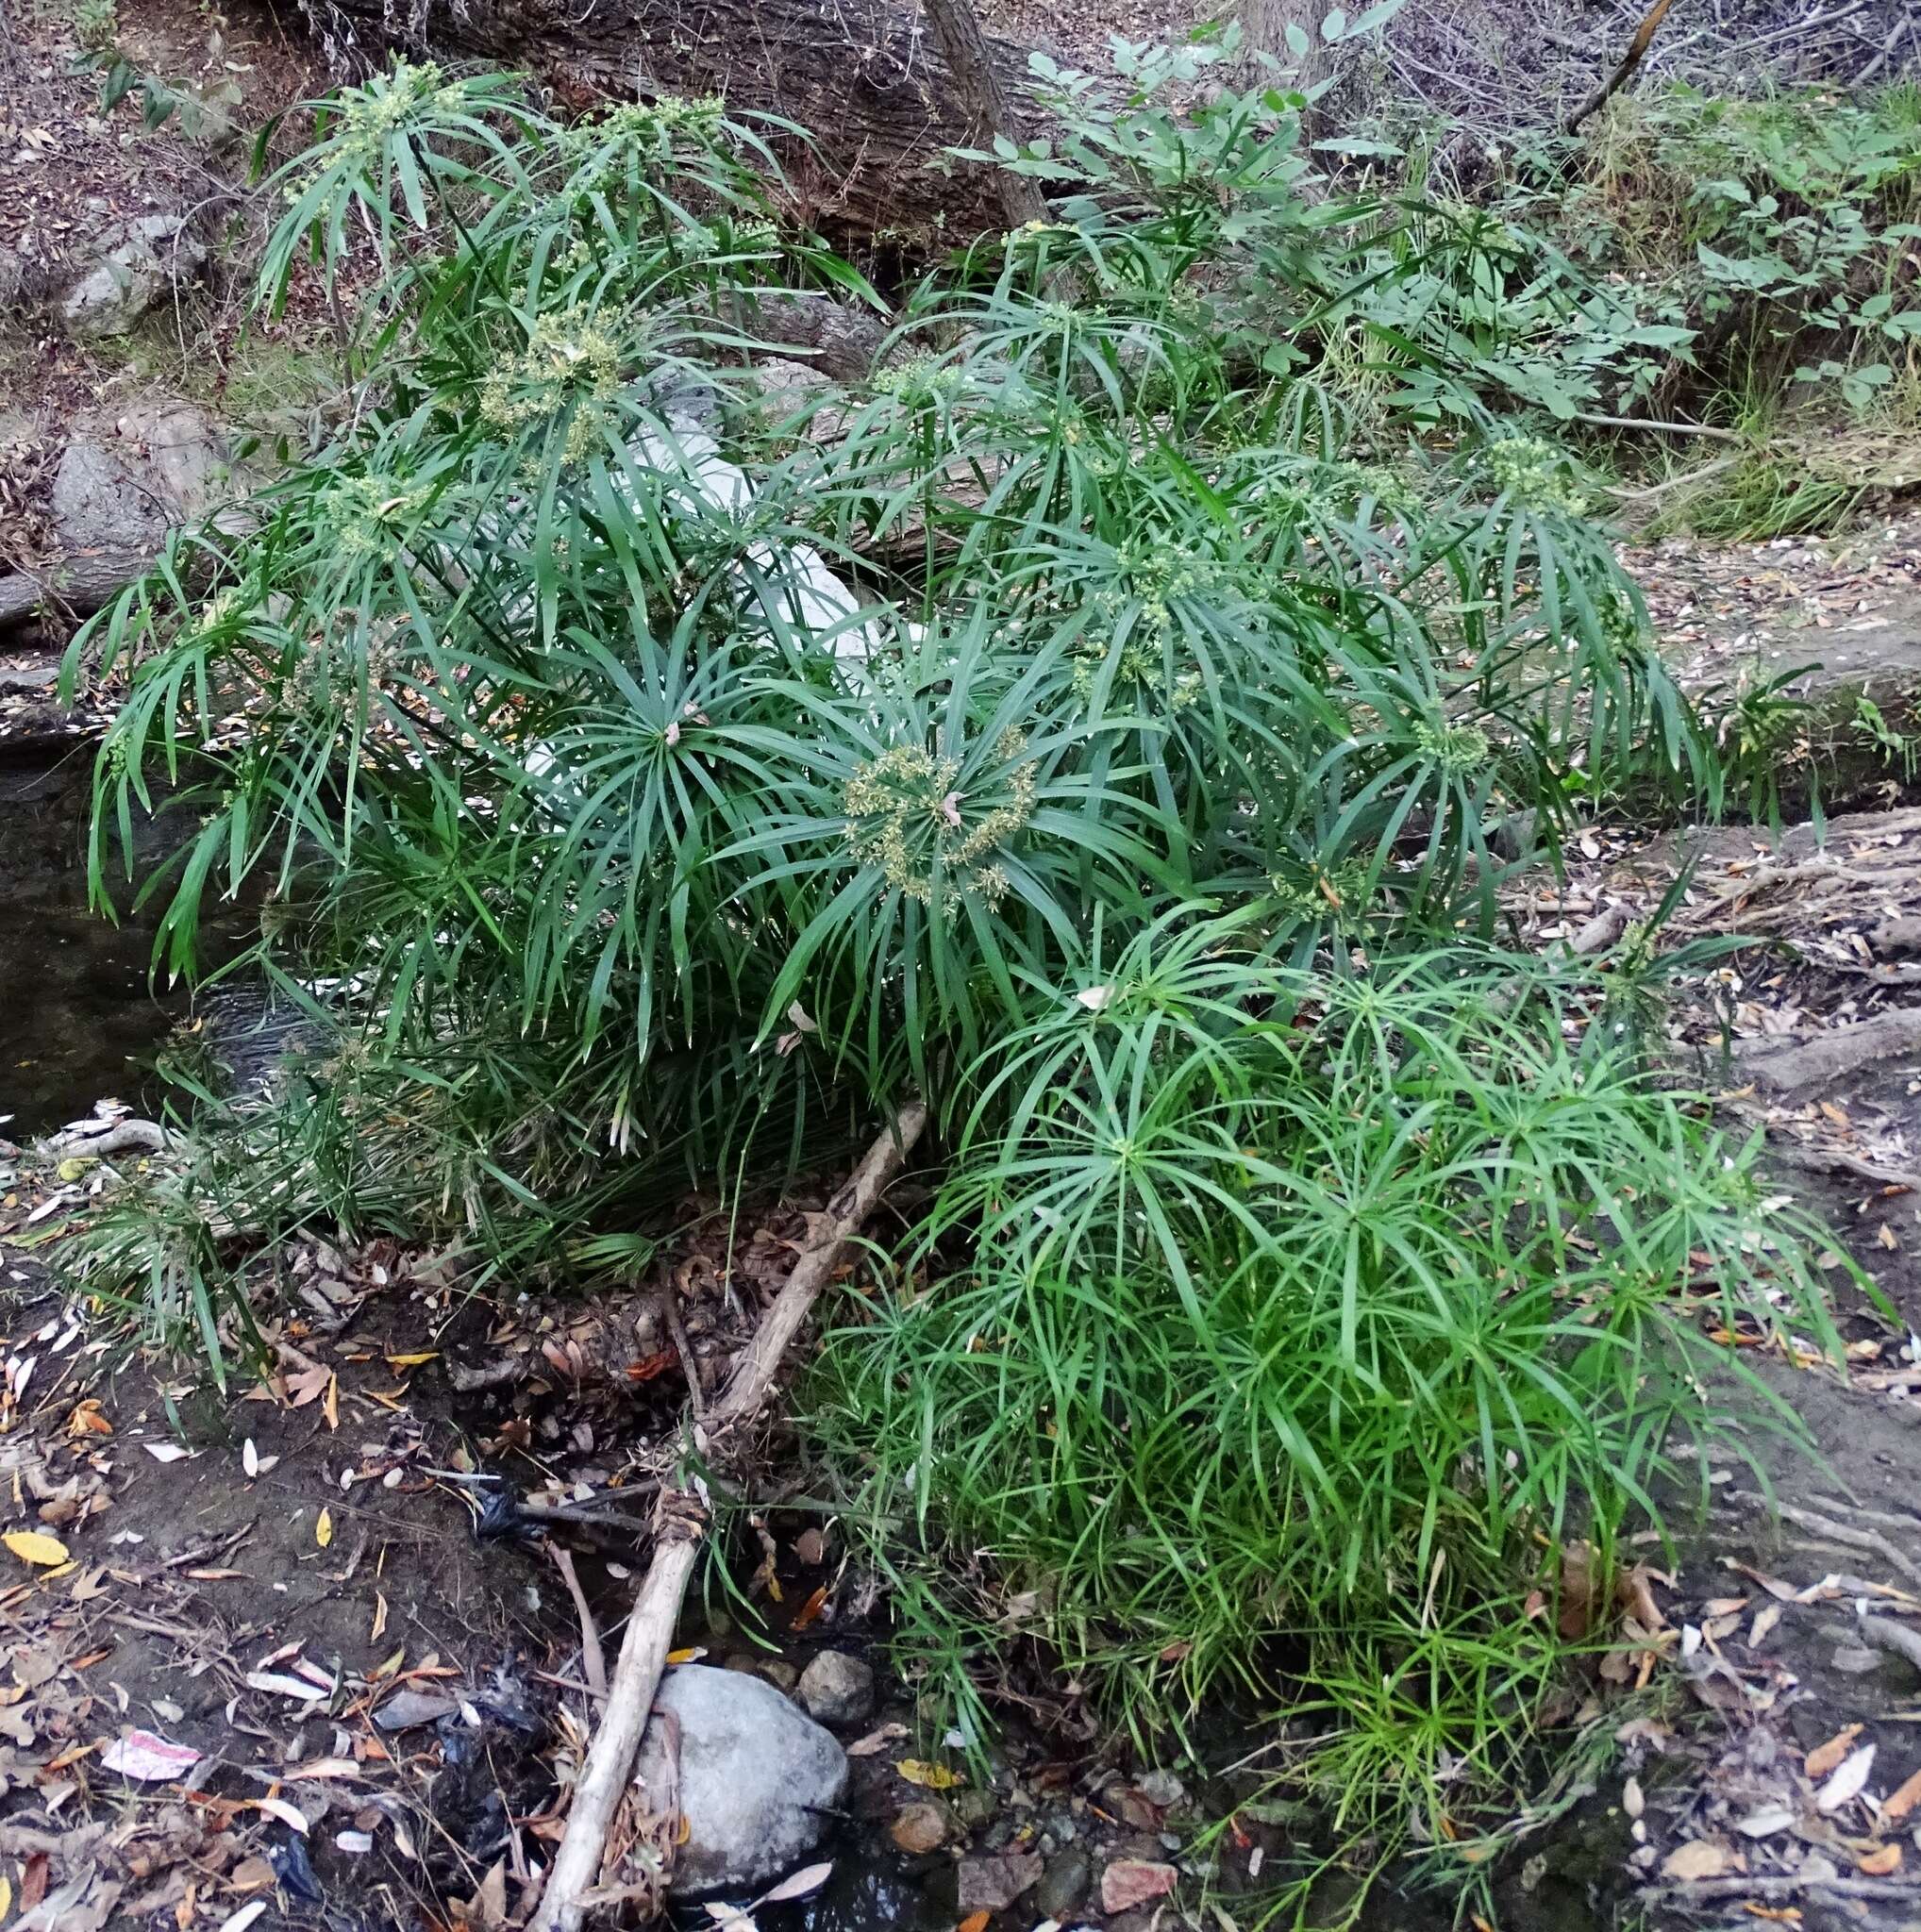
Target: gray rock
x,y
755,1777
974,1807
1064,1884
185,453
838,1689
777,1670
406,1709
117,491
137,261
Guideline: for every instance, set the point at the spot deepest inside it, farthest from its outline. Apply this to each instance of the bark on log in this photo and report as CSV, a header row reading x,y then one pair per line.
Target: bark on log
x,y
983,93
78,586
866,77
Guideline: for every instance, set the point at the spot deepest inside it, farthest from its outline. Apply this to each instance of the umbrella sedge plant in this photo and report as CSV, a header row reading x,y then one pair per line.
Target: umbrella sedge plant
x,y
1302,1265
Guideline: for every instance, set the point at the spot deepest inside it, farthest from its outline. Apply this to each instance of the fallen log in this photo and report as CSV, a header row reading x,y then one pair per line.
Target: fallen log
x,y
78,584
866,77
681,1526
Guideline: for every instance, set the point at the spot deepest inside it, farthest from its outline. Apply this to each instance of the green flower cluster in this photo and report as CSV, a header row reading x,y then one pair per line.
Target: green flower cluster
x,y
645,124
372,115
567,360
1143,664
1454,747
1312,892
1533,472
1625,629
905,816
1351,482
368,511
649,129
1156,575
1337,488
917,381
222,613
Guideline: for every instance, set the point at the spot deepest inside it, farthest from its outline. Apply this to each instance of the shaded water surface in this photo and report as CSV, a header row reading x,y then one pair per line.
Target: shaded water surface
x,y
77,1012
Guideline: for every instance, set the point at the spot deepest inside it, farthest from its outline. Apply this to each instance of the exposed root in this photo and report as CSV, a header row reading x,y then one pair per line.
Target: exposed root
x,y
1846,1536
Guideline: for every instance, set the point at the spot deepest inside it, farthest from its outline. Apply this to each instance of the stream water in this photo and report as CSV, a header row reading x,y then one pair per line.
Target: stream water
x,y
80,1017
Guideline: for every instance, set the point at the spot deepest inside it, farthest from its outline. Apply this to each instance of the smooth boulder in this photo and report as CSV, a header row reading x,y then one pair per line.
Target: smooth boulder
x,y
756,1778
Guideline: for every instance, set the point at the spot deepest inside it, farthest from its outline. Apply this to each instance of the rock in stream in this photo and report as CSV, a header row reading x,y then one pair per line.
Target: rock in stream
x,y
757,1779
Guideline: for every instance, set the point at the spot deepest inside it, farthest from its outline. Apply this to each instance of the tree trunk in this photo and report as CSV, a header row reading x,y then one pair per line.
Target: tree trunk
x,y
865,77
977,86
1263,30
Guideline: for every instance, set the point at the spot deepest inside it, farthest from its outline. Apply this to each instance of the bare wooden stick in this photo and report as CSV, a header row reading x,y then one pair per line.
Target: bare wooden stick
x,y
1784,1885
1637,48
611,1757
593,1662
1699,475
1664,428
754,1374
680,1525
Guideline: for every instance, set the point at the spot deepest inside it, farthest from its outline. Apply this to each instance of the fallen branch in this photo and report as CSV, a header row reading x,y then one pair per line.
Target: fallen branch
x,y
681,1525
1784,1885
1665,428
1885,1634
1796,1063
1637,50
1888,46
122,1136
593,1661
629,1703
1699,475
753,1376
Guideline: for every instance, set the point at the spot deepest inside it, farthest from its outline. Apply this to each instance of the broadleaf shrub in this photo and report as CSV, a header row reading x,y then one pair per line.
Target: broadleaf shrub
x,y
1757,251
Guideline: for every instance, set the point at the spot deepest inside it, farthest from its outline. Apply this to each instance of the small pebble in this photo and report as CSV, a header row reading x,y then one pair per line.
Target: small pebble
x,y
836,1689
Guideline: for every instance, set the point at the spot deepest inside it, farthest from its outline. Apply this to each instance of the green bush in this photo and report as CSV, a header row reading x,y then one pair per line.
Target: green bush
x,y
1768,243
543,739
1263,1304
1135,811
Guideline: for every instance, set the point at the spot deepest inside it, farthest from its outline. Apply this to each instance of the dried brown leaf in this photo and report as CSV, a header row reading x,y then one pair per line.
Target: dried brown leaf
x,y
1902,1800
1824,1757
1701,1858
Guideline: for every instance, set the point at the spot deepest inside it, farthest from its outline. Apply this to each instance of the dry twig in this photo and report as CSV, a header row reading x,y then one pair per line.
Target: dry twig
x,y
681,1526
